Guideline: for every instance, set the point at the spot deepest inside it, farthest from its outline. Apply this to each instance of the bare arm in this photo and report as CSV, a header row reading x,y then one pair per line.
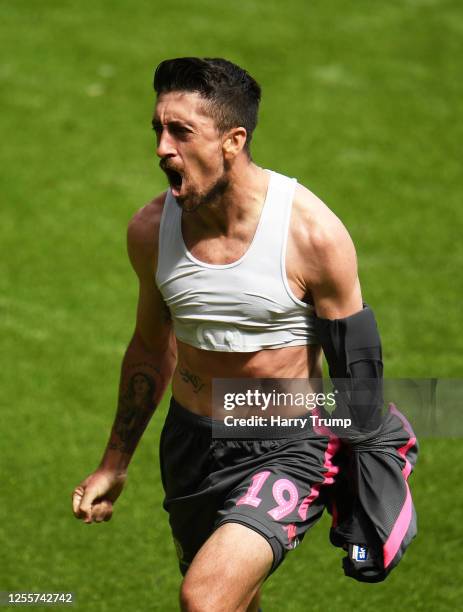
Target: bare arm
x,y
346,330
146,370
323,258
335,286
150,358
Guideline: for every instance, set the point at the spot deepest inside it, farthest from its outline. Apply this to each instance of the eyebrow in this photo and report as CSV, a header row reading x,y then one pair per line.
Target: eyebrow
x,y
157,124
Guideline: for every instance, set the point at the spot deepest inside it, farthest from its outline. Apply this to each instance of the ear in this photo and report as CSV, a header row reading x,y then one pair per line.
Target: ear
x,y
233,142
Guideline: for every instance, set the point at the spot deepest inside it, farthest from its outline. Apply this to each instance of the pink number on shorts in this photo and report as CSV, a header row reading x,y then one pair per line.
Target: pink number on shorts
x,y
285,506
250,497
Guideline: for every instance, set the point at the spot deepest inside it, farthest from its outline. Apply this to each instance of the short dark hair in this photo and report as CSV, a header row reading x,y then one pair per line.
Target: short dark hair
x,y
233,95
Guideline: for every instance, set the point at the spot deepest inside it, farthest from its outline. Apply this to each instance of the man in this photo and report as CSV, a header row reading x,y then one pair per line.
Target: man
x,y
241,272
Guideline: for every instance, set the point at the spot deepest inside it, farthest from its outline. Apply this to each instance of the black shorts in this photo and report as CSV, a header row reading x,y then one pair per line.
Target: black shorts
x,y
272,486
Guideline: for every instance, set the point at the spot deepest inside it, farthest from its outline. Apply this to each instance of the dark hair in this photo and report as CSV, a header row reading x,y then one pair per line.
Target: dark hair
x,y
233,95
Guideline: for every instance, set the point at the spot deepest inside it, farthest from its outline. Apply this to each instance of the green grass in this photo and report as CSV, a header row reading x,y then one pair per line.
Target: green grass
x,y
360,103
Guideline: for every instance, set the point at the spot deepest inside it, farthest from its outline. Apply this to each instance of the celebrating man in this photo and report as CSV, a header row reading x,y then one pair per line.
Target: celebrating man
x,y
243,273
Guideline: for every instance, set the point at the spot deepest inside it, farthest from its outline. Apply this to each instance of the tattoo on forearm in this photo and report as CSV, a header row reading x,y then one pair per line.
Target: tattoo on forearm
x,y
136,405
191,378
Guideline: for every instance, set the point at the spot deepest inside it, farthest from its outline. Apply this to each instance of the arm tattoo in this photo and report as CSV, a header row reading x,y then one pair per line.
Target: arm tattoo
x,y
134,411
189,377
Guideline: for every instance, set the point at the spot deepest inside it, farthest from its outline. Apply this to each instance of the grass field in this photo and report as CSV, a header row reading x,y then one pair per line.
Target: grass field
x,y
361,103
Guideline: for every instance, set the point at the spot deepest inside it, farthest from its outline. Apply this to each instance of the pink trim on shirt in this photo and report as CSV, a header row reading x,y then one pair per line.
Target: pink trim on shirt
x,y
395,539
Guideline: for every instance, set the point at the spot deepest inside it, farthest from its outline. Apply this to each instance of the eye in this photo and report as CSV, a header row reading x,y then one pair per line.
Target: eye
x,y
180,131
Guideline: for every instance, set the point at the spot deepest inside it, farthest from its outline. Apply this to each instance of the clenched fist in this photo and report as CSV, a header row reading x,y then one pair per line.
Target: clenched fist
x,y
93,498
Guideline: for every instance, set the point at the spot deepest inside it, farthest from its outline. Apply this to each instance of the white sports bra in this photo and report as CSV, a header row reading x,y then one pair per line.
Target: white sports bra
x,y
243,306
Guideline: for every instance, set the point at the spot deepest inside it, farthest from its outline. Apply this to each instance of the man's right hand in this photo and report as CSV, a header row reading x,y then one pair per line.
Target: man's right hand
x,y
93,498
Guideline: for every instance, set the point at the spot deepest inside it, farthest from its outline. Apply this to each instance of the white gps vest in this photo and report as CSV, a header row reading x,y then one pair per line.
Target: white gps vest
x,y
243,306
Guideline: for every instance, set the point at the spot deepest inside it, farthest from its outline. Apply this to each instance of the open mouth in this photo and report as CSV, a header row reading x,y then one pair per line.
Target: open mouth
x,y
175,180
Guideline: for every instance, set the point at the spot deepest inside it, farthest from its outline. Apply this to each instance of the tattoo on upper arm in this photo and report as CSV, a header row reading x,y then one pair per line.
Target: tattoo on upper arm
x,y
136,405
191,378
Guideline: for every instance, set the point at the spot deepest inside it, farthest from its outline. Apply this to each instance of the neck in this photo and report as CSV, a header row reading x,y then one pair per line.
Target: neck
x,y
242,199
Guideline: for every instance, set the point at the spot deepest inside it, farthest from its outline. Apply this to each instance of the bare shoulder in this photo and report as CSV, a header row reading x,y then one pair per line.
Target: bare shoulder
x,y
317,223
143,235
320,238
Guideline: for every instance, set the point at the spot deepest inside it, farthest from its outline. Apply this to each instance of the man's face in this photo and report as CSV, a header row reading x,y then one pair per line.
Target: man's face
x,y
190,148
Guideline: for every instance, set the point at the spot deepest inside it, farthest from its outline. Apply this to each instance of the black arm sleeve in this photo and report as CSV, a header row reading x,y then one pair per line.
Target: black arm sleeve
x,y
352,348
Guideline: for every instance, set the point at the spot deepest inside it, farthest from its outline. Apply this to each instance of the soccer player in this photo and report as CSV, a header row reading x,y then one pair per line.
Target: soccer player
x,y
243,273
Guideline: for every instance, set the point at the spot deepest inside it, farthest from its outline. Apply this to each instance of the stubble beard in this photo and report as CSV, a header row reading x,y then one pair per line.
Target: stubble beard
x,y
211,198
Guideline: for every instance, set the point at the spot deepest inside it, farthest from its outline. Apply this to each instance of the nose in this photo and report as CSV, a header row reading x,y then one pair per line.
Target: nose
x,y
165,145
